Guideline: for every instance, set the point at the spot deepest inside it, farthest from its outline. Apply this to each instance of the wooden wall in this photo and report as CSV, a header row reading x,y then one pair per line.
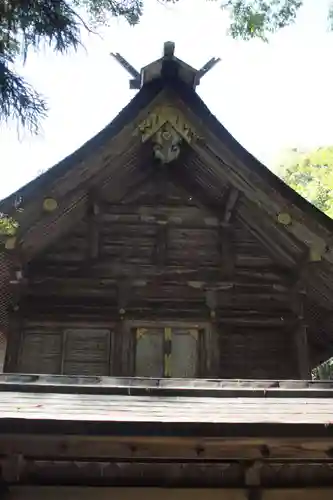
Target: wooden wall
x,y
86,493
159,257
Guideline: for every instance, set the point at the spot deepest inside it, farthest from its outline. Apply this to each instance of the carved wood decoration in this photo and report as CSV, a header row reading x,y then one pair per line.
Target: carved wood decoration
x,y
167,128
10,243
50,204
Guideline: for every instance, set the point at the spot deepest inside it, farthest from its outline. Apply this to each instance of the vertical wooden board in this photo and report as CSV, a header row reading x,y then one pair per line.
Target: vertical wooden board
x,y
87,352
40,352
12,358
302,351
125,345
149,356
212,350
184,354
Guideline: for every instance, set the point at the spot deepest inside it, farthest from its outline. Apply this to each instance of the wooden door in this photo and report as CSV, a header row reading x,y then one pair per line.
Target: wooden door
x,y
166,352
87,352
149,352
184,355
40,352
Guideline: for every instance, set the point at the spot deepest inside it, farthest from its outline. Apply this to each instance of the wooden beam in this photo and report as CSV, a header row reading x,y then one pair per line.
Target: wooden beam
x,y
86,492
17,283
160,250
157,447
211,302
93,226
124,288
162,179
12,467
303,352
301,340
13,343
109,272
211,336
225,234
298,275
254,494
227,255
230,205
123,352
252,474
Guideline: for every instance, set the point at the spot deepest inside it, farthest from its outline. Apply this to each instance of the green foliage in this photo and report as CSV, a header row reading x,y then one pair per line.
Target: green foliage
x,y
258,18
311,175
26,24
99,11
324,371
8,226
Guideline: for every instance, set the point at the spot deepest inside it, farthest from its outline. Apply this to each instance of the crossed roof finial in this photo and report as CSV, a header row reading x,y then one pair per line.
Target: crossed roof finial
x,y
154,69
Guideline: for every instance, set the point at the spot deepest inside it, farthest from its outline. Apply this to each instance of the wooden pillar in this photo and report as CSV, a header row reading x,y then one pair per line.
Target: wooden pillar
x,y
160,251
227,263
124,341
252,480
93,227
13,343
15,320
227,256
301,340
212,336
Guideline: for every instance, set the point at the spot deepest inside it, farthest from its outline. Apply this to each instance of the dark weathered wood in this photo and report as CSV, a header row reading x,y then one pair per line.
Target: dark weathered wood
x,y
227,250
127,349
169,387
161,255
231,201
300,334
211,348
166,490
147,449
93,227
160,250
41,351
302,352
170,474
14,342
12,467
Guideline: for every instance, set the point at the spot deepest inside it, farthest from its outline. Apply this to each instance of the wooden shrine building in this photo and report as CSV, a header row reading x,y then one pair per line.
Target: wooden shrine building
x,y
164,300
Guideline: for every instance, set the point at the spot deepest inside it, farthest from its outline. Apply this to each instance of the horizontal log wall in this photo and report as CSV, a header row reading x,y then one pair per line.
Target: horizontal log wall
x,y
86,493
174,262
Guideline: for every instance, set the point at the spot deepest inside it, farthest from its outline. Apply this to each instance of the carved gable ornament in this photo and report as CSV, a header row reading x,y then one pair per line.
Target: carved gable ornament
x,y
167,128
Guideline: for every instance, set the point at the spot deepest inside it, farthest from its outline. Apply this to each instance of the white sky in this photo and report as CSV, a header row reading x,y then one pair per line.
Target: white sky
x,y
269,96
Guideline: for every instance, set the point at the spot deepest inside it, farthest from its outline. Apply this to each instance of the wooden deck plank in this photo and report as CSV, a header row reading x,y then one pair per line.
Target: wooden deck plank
x,y
63,384
120,408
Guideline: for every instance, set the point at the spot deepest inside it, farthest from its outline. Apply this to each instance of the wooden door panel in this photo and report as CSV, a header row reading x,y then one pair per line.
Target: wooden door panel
x,y
87,352
40,353
184,354
163,351
149,353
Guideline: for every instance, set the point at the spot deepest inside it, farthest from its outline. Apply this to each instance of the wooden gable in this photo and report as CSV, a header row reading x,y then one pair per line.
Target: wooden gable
x,y
112,237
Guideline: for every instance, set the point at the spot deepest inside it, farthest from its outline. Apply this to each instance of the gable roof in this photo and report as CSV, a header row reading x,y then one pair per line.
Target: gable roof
x,y
211,164
128,114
